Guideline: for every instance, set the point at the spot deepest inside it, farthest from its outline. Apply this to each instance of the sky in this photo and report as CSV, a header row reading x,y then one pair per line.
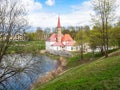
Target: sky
x,y
44,13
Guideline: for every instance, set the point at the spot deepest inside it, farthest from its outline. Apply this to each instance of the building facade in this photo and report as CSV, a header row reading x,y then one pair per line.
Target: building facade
x,y
16,37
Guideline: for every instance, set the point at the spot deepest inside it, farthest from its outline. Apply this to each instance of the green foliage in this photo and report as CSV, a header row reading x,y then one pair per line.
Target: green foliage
x,y
35,36
31,36
76,59
95,39
102,74
40,34
115,36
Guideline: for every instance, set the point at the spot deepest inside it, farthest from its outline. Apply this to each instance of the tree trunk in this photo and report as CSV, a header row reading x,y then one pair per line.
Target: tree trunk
x,y
81,52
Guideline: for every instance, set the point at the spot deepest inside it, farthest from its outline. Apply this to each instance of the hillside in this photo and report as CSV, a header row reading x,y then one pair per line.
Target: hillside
x,y
103,74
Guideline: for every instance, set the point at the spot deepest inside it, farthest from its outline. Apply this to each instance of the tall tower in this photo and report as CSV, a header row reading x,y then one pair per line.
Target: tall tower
x,y
59,33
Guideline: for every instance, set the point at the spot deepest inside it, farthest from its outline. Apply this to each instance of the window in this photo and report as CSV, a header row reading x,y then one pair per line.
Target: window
x,y
71,48
76,48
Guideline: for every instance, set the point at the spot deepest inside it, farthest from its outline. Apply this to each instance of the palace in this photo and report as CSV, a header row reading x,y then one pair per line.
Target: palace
x,y
59,42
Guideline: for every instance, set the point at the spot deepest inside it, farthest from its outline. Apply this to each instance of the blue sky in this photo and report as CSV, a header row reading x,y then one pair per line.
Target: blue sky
x,y
60,6
44,13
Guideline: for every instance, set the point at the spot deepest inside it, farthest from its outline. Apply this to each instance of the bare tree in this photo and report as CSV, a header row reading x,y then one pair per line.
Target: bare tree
x,y
17,65
104,14
12,21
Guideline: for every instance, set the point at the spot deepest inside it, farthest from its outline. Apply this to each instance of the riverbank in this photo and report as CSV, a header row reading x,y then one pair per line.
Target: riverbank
x,y
100,74
51,75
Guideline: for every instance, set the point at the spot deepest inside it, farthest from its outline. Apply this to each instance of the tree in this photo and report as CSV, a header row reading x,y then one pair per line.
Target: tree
x,y
104,13
31,36
87,30
66,31
95,40
115,36
12,21
39,34
46,33
16,65
81,39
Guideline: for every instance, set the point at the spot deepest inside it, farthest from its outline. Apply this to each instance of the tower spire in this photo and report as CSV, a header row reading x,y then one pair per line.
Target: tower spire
x,y
59,33
59,25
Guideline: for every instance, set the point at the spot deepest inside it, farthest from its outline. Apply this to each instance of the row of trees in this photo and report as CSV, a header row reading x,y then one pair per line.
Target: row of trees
x,y
104,34
39,34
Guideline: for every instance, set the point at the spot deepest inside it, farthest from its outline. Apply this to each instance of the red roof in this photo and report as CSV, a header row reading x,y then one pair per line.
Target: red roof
x,y
58,44
58,26
53,37
67,37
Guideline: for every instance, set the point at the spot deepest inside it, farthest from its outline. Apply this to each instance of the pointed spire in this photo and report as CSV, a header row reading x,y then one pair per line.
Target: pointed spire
x,y
58,26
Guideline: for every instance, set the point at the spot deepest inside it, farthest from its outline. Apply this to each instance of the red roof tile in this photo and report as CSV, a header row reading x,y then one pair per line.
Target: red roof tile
x,y
67,37
53,37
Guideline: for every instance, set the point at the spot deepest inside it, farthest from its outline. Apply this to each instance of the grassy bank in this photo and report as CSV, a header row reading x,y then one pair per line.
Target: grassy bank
x,y
76,59
101,74
26,47
88,57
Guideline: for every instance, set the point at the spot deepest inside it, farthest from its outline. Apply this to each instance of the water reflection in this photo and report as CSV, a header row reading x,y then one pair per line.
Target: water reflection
x,y
34,67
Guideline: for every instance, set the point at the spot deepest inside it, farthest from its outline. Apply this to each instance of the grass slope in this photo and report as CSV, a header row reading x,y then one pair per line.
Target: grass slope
x,y
101,74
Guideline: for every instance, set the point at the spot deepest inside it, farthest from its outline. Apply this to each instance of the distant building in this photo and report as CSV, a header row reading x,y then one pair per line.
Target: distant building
x,y
58,41
16,37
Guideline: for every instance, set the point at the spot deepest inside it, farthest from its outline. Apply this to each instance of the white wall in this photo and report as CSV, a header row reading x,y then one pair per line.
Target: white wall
x,y
57,48
48,45
72,48
67,48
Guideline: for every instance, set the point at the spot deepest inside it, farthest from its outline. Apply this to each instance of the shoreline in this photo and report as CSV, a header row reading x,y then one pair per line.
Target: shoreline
x,y
50,75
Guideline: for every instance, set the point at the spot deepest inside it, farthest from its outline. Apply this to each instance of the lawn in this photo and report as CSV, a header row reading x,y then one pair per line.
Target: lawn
x,y
103,74
88,57
26,46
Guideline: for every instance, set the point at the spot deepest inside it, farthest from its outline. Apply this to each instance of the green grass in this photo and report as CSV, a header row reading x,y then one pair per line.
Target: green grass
x,y
101,74
26,46
88,57
76,60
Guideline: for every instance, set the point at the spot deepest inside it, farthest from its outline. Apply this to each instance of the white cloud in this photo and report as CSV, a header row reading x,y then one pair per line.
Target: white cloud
x,y
50,2
32,6
43,19
79,16
118,8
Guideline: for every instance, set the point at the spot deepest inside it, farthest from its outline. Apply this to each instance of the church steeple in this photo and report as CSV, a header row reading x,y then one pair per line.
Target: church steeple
x,y
59,25
59,33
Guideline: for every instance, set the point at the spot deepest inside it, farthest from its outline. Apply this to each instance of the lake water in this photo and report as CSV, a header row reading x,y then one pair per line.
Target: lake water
x,y
35,66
